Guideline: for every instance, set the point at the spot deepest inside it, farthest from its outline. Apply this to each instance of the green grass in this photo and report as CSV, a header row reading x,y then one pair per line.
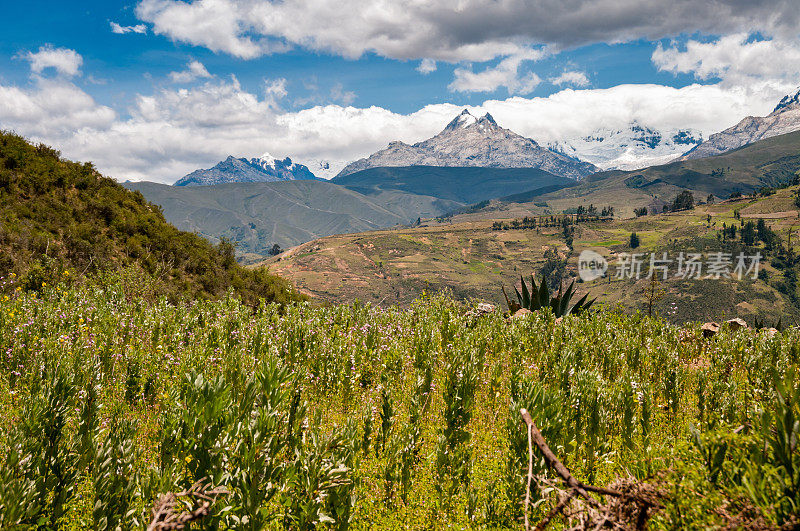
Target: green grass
x,y
285,407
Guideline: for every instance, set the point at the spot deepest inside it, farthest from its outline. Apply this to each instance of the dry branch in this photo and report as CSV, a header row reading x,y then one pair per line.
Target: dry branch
x,y
171,513
617,514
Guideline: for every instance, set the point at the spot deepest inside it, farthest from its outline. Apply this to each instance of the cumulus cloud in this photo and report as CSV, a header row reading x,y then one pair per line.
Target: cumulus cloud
x,y
468,30
577,79
735,59
508,73
121,30
51,109
426,66
216,24
194,70
63,60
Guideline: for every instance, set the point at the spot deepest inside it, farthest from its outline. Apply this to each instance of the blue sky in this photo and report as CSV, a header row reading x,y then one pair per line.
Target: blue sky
x,y
331,81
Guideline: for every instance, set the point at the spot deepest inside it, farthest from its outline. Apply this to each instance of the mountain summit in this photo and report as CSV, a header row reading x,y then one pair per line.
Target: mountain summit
x,y
263,169
785,118
468,141
631,147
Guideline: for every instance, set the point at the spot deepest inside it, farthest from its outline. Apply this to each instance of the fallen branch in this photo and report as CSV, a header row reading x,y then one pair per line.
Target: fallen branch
x,y
601,515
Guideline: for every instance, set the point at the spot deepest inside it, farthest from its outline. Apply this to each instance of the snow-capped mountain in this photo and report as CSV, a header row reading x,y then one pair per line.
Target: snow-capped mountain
x,y
785,118
265,168
631,148
471,141
325,168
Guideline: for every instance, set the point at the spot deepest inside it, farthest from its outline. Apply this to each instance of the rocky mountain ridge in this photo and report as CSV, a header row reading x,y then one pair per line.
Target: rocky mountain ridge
x,y
468,141
785,118
263,169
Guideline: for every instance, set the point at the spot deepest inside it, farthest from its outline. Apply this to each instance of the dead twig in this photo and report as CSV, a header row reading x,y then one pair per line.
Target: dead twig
x,y
171,513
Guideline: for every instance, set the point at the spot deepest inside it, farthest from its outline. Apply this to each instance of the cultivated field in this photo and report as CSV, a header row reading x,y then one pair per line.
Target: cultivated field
x,y
388,418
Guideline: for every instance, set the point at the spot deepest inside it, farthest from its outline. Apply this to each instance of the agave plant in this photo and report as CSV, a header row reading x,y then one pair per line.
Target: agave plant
x,y
538,297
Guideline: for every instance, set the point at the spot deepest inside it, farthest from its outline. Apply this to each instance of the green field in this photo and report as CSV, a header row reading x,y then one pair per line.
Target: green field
x,y
355,416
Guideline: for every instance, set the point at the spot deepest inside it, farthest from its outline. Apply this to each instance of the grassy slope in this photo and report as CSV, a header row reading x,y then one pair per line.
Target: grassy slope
x,y
258,215
764,163
465,185
395,266
57,215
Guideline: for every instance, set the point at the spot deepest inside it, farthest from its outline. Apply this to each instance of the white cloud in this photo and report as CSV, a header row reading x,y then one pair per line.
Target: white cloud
x,y
507,74
63,60
194,70
52,110
215,24
577,79
121,30
735,59
468,30
275,88
426,66
339,95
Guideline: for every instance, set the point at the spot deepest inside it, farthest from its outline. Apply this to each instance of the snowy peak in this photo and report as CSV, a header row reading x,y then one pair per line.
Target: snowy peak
x,y
629,148
467,141
465,119
487,119
787,103
267,162
265,168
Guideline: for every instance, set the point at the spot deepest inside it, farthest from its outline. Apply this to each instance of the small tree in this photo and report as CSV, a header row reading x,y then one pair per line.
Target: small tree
x,y
653,293
748,233
684,201
634,243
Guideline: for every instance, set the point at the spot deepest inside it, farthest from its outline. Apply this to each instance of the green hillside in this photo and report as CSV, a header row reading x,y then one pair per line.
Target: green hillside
x,y
61,218
472,260
258,215
464,185
766,163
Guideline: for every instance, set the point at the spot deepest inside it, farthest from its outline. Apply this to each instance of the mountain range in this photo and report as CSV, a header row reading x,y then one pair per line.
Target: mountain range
x,y
629,148
263,169
262,201
468,141
785,118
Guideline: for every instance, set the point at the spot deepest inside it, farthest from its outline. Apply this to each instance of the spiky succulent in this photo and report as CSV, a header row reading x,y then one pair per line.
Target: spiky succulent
x,y
538,297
